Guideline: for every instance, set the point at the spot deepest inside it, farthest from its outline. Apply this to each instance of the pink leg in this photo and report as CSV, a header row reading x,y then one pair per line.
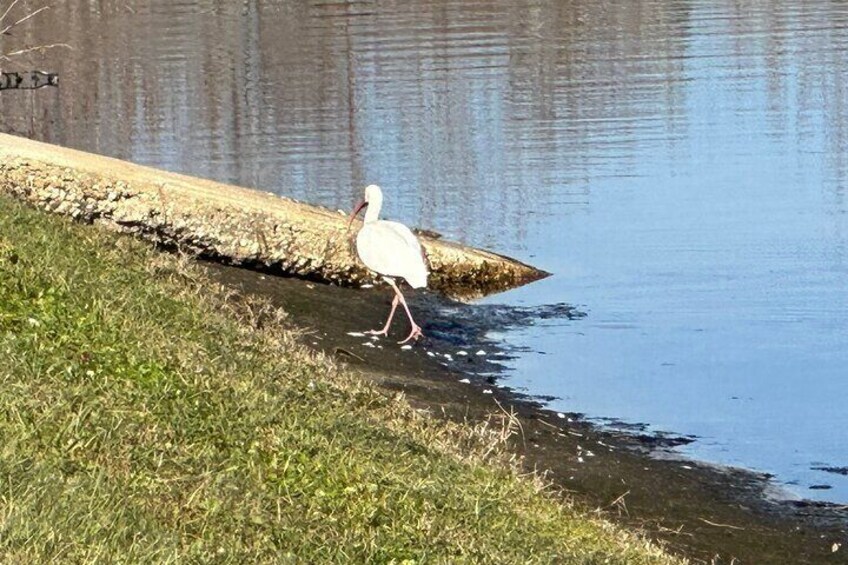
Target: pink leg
x,y
385,330
416,329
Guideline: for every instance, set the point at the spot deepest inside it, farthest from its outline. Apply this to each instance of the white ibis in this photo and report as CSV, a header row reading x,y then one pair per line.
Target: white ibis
x,y
391,250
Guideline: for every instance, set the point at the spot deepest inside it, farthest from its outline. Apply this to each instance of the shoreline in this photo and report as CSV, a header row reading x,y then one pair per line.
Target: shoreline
x,y
152,415
709,513
701,511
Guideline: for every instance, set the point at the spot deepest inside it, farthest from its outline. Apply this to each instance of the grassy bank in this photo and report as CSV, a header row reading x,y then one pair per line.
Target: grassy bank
x,y
145,417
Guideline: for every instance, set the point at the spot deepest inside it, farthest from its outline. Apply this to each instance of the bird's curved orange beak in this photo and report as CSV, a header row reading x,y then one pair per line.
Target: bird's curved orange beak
x,y
362,204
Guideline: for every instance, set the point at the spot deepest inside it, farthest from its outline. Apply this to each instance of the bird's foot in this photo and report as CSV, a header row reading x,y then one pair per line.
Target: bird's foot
x,y
414,334
383,332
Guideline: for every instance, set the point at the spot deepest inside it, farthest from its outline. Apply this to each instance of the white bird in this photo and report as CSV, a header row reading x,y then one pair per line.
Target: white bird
x,y
391,250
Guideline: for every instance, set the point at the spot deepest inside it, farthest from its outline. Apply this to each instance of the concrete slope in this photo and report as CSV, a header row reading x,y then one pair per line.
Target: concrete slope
x,y
228,222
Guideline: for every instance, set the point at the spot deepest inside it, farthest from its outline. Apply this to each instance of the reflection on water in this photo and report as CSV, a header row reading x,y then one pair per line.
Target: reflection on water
x,y
680,165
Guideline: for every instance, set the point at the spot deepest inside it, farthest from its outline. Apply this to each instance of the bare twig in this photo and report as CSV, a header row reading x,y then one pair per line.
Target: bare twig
x,y
9,55
678,531
513,419
22,20
349,353
9,9
620,503
716,524
619,499
552,426
5,29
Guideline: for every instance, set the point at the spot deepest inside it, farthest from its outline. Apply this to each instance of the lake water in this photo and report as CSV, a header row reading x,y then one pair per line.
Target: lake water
x,y
680,166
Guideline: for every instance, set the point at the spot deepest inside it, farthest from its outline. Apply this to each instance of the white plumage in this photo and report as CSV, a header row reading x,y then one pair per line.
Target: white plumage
x,y
392,250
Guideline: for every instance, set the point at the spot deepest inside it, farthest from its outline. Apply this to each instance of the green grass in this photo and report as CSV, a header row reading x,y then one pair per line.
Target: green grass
x,y
144,417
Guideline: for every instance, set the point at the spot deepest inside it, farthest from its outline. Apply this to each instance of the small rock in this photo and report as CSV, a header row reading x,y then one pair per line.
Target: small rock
x,y
560,415
356,334
404,347
462,353
487,391
368,344
481,352
465,381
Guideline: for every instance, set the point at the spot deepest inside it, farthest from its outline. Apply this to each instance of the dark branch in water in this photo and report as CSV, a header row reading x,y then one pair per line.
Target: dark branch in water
x,y
28,80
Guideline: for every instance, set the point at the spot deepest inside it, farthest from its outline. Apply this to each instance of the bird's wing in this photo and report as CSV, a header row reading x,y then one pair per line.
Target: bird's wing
x,y
390,248
403,232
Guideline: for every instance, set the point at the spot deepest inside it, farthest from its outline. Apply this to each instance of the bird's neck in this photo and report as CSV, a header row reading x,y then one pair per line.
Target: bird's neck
x,y
372,213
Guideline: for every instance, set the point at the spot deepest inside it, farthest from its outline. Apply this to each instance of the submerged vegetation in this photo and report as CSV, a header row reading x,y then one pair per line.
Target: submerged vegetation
x,y
147,416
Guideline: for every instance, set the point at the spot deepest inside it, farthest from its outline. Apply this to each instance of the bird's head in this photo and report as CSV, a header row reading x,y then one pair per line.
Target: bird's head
x,y
373,197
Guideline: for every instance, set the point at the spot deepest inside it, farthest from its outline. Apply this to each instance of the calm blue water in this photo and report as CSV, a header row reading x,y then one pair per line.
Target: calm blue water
x,y
679,165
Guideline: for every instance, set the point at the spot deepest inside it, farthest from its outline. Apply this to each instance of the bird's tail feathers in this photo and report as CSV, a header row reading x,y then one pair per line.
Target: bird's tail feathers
x,y
419,279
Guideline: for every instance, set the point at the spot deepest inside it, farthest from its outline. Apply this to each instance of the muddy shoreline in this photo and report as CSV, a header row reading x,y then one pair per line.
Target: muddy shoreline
x,y
710,514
